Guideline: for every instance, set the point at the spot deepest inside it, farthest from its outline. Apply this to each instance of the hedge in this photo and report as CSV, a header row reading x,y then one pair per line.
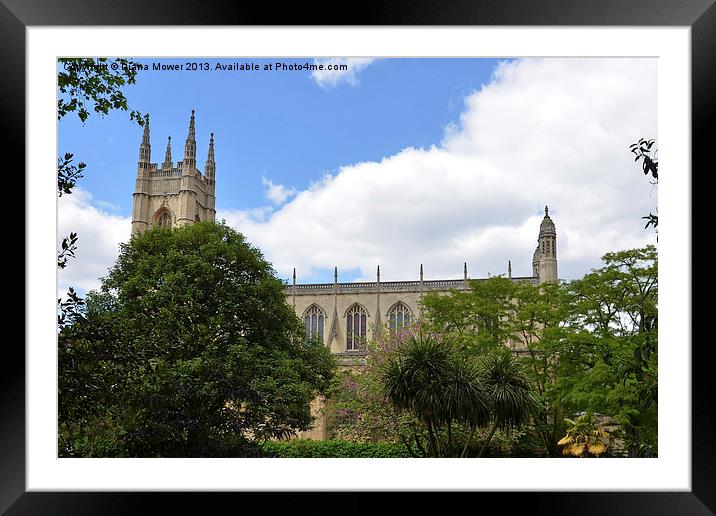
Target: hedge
x,y
306,448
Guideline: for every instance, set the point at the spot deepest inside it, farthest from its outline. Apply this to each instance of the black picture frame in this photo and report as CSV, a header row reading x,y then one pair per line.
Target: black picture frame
x,y
699,15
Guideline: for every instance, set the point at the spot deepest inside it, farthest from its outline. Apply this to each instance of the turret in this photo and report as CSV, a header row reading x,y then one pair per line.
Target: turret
x,y
547,247
140,202
188,187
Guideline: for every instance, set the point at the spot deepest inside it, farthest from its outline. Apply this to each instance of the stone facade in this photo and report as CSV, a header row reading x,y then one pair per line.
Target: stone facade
x,y
173,194
330,310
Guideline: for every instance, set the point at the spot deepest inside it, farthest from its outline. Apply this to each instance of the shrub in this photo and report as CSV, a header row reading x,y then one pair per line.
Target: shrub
x,y
306,448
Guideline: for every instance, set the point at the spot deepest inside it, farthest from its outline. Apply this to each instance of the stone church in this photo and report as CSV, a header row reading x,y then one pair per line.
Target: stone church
x,y
341,315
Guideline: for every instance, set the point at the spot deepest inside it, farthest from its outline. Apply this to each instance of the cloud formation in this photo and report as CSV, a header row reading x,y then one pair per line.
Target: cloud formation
x,y
334,77
277,193
542,132
99,235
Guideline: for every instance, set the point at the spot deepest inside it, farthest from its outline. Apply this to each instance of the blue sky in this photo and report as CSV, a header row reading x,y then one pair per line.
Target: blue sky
x,y
396,162
275,124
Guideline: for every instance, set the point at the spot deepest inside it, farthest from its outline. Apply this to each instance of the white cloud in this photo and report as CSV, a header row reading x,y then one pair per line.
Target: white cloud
x,y
277,193
330,78
543,132
99,234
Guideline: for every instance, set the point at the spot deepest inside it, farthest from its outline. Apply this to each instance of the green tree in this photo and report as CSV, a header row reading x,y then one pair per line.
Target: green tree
x,y
539,323
609,363
509,396
189,350
479,319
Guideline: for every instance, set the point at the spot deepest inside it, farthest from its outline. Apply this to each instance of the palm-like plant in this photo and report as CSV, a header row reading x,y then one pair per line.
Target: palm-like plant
x,y
585,436
427,378
430,378
509,394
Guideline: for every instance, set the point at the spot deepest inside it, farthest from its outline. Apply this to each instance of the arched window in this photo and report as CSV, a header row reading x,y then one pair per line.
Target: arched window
x,y
314,319
163,218
356,322
399,315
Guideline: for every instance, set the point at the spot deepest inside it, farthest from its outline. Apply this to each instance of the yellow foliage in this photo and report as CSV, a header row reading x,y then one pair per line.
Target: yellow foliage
x,y
585,434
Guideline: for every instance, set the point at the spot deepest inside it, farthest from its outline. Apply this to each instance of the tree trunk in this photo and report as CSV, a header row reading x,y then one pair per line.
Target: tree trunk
x,y
450,446
467,444
489,438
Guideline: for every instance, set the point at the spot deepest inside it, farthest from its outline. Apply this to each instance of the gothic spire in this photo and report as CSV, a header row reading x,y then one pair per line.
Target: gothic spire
x,y
464,271
192,132
167,165
189,162
509,269
145,149
145,137
210,167
211,148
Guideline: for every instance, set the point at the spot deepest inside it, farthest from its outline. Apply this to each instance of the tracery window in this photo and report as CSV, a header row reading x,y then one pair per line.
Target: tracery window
x,y
164,218
356,323
314,319
398,316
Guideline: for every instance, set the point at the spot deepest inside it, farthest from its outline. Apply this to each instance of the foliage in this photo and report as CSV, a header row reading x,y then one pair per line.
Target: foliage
x,y
95,84
585,345
642,150
190,349
427,378
452,393
358,408
585,436
511,400
69,246
97,81
68,174
477,319
539,323
608,363
332,448
70,310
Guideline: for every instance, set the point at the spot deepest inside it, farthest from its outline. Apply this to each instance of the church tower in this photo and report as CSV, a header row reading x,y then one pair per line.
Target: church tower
x,y
544,260
173,195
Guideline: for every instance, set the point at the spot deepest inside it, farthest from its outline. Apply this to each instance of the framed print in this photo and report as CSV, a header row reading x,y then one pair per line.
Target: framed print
x,y
384,147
